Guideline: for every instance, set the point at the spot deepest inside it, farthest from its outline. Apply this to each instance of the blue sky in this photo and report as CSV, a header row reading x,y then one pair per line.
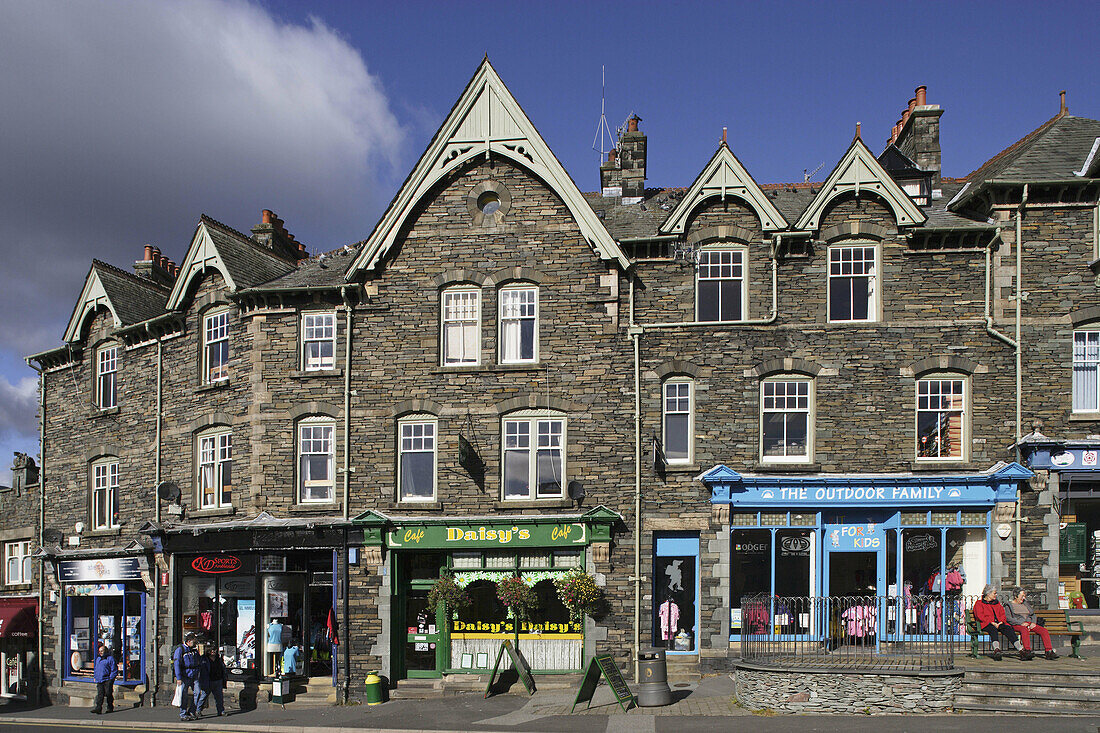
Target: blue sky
x,y
124,120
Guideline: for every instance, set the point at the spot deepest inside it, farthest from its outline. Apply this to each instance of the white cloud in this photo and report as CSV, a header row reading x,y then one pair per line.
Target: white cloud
x,y
18,426
123,121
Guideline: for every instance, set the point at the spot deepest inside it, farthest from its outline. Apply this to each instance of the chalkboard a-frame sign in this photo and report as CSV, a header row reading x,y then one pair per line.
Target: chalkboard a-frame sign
x,y
518,663
604,665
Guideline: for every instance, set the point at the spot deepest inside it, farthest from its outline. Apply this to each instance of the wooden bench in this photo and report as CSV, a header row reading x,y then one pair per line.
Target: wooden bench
x,y
1057,623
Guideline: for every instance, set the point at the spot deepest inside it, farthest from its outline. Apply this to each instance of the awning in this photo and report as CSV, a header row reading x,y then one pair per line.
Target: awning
x,y
18,618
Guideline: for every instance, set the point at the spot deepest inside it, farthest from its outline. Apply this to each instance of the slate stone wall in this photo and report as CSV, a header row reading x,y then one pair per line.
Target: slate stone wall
x,y
844,694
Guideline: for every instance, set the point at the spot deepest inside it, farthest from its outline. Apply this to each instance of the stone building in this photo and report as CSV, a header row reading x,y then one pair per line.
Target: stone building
x,y
19,540
693,394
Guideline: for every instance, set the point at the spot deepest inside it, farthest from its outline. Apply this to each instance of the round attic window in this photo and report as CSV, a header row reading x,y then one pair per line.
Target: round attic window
x,y
488,203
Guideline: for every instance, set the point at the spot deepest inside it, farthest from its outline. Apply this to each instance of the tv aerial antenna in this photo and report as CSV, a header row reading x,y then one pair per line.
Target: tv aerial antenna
x,y
603,135
807,174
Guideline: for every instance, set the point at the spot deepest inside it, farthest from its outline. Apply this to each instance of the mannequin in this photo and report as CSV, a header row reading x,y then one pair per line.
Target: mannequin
x,y
274,645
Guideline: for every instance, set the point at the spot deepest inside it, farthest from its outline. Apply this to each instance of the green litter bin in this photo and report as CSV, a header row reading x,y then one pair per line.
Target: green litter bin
x,y
374,689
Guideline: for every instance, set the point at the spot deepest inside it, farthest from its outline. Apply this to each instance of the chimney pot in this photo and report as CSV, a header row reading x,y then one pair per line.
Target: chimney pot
x,y
632,123
894,136
156,253
611,155
904,117
1062,102
266,216
148,253
912,103
922,95
723,136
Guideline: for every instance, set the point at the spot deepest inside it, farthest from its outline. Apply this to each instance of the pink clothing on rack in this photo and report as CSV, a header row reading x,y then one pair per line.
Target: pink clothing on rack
x,y
669,613
860,621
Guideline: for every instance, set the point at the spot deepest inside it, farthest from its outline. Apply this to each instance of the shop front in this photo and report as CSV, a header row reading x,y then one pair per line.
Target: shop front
x,y
18,632
1074,483
260,592
479,553
908,552
104,602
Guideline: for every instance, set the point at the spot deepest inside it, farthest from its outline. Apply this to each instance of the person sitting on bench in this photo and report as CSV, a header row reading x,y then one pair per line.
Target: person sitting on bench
x,y
1021,616
990,615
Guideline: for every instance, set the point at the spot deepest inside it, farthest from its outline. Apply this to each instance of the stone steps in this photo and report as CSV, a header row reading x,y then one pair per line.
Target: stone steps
x,y
82,695
1028,692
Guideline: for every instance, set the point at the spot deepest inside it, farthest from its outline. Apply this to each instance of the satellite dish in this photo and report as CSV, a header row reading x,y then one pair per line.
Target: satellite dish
x,y
168,491
576,490
52,536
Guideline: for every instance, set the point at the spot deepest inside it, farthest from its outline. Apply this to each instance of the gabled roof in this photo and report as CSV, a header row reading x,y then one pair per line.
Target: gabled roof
x,y
129,298
1062,148
241,262
859,171
724,176
485,119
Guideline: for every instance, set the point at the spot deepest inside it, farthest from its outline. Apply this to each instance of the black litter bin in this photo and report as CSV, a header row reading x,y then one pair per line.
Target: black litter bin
x,y
653,689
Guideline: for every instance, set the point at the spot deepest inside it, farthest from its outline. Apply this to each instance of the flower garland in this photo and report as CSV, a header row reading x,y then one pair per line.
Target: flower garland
x,y
493,576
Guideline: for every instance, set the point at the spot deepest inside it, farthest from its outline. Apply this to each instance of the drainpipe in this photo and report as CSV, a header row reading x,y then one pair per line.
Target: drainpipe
x,y
988,316
41,522
635,335
347,398
1019,360
156,502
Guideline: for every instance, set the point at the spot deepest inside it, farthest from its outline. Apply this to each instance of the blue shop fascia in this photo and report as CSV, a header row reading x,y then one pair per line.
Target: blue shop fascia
x,y
1072,472
865,534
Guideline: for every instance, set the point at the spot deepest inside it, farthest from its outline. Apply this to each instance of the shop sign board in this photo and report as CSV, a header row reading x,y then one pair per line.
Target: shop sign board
x,y
216,564
99,570
464,535
604,666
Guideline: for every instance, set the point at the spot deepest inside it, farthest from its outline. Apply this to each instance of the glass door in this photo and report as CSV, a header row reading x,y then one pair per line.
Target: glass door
x,y
422,632
284,622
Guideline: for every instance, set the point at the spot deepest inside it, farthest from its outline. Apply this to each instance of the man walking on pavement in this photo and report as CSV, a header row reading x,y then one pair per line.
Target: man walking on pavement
x,y
104,673
186,663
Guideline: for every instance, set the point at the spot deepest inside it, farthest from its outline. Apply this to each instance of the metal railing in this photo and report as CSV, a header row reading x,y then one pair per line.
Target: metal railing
x,y
913,634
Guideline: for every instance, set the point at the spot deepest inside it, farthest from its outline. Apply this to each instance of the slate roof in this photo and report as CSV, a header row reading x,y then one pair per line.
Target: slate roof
x,y
135,299
1055,150
940,217
248,263
321,271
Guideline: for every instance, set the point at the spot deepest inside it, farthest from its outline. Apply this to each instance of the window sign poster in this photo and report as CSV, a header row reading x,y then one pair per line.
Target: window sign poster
x,y
278,604
246,631
81,622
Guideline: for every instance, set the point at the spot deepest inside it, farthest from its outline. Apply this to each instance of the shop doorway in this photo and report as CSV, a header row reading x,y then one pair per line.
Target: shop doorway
x,y
853,574
419,631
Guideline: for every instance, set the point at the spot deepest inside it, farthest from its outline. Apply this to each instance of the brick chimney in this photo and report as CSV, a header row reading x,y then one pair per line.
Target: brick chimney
x,y
918,135
154,266
611,176
271,233
632,149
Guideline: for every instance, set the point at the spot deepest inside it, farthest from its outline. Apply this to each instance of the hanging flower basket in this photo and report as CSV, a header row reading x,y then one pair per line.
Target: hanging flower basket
x,y
517,596
449,594
580,594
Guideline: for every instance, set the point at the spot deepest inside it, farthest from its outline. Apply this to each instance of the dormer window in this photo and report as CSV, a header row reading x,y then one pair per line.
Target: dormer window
x,y
106,373
919,189
215,350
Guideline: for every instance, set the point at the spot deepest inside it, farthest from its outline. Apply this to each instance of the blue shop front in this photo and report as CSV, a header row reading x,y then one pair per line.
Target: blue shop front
x,y
893,537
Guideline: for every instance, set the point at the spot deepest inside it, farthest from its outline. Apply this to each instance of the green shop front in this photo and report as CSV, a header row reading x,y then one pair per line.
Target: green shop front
x,y
479,552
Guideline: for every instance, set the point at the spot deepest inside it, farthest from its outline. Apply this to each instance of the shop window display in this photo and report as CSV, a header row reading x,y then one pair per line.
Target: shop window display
x,y
104,614
222,611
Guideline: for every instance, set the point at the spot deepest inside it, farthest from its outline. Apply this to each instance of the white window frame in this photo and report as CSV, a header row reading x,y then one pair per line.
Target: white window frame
x,y
1084,361
502,322
314,326
874,298
106,366
19,551
809,411
214,449
215,333
447,316
741,253
678,382
964,430
533,420
312,424
104,485
408,442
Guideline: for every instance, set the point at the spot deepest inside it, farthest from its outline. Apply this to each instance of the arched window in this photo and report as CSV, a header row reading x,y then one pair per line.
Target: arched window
x,y
519,323
214,468
720,290
416,457
316,460
106,376
678,413
787,419
104,493
533,460
215,346
942,417
461,326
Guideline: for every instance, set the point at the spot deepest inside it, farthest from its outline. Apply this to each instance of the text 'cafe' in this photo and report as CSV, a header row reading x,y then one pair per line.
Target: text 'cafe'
x,y
891,535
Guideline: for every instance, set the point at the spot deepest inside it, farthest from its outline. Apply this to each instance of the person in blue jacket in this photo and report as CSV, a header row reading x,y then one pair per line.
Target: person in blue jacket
x,y
186,663
104,673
